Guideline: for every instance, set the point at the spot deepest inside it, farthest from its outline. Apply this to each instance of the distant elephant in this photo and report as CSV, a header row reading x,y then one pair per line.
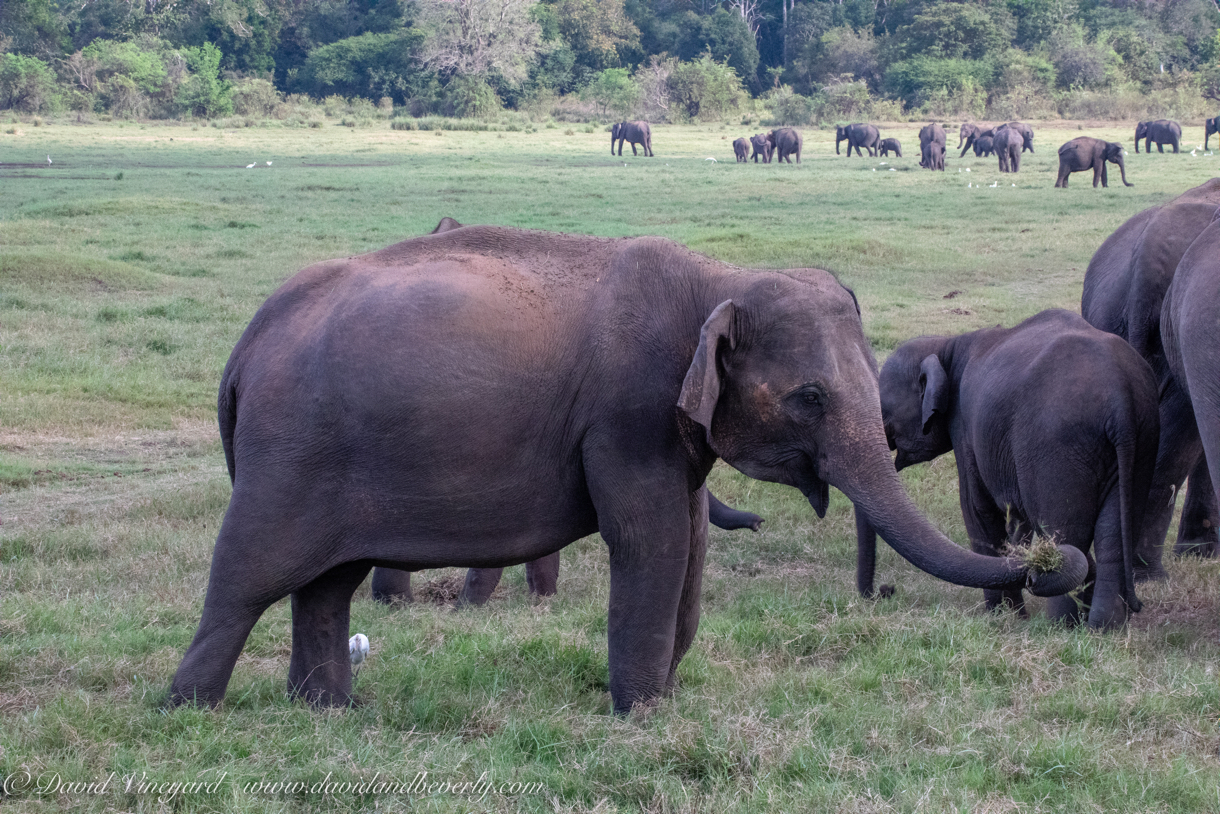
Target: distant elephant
x,y
486,396
969,134
857,135
1161,131
1087,152
541,575
1210,126
932,147
889,145
1192,350
1053,425
1007,145
634,133
762,148
1027,134
741,149
984,146
1124,291
785,143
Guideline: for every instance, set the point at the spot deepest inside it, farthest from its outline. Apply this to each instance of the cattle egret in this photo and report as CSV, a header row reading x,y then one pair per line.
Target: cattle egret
x,y
709,158
49,160
996,184
249,166
967,169
268,163
893,170
358,649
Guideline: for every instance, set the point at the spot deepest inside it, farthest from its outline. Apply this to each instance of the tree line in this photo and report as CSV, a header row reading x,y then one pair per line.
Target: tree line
x,y
675,60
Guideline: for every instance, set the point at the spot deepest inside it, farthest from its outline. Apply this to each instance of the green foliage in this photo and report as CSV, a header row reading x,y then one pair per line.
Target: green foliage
x,y
255,97
705,89
614,91
915,80
141,61
372,65
597,31
204,93
470,97
956,31
722,34
26,83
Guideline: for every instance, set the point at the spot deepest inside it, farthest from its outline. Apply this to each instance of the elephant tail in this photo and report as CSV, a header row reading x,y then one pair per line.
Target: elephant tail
x,y
1135,466
226,415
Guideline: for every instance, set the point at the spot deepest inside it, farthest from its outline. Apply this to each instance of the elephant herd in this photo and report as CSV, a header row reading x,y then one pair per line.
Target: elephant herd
x,y
484,396
782,143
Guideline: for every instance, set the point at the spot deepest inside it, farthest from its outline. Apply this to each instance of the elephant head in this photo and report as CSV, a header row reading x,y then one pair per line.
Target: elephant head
x,y
840,135
614,134
1141,131
1114,154
785,387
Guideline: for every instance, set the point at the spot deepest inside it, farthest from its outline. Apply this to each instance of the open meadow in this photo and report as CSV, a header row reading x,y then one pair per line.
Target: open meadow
x,y
131,262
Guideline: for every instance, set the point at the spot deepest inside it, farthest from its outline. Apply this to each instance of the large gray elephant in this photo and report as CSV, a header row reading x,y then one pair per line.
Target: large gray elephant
x,y
785,143
1210,126
970,133
762,148
1027,134
1085,153
932,140
741,149
857,135
486,396
1124,291
1053,425
1192,348
634,133
1007,146
1161,131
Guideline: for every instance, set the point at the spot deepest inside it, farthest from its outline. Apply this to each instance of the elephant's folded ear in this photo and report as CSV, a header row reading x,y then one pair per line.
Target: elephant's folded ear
x,y
935,385
701,388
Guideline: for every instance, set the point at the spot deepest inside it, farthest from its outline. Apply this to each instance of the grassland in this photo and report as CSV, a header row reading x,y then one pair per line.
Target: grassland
x,y
131,263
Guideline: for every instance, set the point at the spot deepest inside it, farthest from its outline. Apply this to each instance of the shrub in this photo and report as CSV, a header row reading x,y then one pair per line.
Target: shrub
x,y
26,83
204,93
470,97
788,107
915,80
705,89
614,91
255,97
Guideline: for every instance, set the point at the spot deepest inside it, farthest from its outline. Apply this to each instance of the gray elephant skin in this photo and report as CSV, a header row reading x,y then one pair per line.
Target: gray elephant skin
x,y
1192,349
859,136
485,396
932,147
1210,126
969,134
391,585
762,148
1124,292
984,146
785,143
1053,425
1086,153
1007,144
1027,134
741,149
1160,132
634,133
889,145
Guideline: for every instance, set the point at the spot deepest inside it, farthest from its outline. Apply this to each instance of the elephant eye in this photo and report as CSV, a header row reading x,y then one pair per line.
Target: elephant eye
x,y
810,397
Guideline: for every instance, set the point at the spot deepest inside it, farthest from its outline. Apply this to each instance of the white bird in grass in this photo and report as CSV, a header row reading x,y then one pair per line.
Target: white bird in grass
x,y
249,166
49,160
268,163
996,184
709,158
358,649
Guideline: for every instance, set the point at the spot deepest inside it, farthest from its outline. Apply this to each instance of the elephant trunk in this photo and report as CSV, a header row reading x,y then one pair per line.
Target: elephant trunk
x,y
873,485
1122,171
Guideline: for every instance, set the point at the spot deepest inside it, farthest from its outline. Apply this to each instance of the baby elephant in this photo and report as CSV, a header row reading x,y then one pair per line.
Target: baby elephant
x,y
762,148
1055,427
888,145
741,149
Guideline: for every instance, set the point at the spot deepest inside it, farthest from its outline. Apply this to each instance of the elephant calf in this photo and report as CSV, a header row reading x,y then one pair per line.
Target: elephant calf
x,y
762,148
1084,152
741,149
932,147
984,146
1161,131
785,142
889,145
1054,426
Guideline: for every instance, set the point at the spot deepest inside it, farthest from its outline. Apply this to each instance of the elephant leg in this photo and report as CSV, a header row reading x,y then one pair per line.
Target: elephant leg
x,y
987,526
688,605
633,152
542,575
1108,604
237,596
1069,609
392,585
1179,451
480,582
1160,147
320,670
1197,531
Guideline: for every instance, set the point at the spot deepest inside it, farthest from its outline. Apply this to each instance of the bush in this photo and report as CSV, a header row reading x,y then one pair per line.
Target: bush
x,y
704,89
614,91
788,107
255,97
470,97
204,93
916,80
26,84
371,64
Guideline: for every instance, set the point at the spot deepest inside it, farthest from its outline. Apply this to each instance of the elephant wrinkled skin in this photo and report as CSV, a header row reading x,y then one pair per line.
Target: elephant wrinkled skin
x,y
1053,425
485,396
1124,292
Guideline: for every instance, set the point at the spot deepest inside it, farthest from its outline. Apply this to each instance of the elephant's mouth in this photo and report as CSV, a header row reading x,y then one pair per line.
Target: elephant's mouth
x,y
815,490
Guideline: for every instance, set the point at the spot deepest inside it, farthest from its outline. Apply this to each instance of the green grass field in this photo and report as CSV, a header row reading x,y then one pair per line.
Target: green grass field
x,y
129,267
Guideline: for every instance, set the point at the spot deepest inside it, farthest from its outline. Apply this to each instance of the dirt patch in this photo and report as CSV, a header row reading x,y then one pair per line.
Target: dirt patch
x,y
442,590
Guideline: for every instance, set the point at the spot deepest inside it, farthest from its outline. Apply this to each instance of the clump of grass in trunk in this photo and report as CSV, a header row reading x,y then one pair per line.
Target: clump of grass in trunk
x,y
1041,556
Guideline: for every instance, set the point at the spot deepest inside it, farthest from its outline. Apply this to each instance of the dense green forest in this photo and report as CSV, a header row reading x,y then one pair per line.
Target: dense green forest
x,y
676,60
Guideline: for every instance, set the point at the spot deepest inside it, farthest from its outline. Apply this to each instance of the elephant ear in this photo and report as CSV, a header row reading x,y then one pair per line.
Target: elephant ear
x,y
935,385
702,386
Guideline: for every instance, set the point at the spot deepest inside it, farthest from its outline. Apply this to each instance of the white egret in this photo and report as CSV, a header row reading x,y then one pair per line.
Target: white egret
x,y
358,649
49,160
268,163
249,166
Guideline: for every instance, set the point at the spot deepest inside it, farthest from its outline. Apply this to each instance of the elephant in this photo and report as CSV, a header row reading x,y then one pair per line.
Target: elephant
x,y
889,145
1210,126
969,134
1161,131
983,146
486,395
1086,152
541,575
932,147
785,143
1053,425
1027,134
741,149
857,135
1124,291
1189,339
634,133
1007,145
762,147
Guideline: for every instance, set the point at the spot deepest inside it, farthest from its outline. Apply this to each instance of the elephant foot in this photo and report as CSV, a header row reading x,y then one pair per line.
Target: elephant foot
x,y
1149,573
1197,547
1065,609
1109,615
392,586
886,591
